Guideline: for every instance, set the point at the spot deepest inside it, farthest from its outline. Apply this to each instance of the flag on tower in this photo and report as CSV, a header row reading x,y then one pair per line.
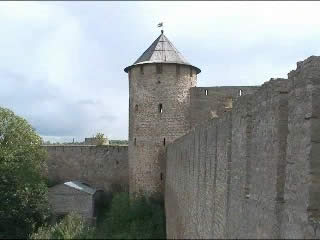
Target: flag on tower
x,y
160,24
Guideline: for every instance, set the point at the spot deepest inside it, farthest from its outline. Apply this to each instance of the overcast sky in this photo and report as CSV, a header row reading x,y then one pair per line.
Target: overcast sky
x,y
61,63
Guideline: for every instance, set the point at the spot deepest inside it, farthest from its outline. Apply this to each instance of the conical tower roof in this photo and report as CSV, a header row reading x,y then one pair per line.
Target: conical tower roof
x,y
161,51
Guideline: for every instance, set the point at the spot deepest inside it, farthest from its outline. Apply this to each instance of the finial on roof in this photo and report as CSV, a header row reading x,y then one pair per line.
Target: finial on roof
x,y
160,25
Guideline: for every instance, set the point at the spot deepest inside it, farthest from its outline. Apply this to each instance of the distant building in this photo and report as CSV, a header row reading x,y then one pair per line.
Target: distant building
x,y
94,141
74,196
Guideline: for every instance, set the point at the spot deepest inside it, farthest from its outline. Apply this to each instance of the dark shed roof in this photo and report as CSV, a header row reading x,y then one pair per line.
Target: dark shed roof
x,y
161,51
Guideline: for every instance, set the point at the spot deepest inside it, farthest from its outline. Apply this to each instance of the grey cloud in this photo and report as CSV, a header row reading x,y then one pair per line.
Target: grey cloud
x,y
89,93
69,120
47,109
86,102
108,118
19,89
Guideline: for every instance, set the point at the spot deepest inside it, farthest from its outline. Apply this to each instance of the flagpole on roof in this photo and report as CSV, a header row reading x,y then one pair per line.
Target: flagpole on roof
x,y
160,25
162,50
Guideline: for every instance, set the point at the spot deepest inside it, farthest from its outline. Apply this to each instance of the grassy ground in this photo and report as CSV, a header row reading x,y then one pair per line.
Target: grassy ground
x,y
119,218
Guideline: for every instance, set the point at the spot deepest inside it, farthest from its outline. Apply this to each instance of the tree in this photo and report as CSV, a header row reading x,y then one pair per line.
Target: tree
x,y
100,139
72,226
23,190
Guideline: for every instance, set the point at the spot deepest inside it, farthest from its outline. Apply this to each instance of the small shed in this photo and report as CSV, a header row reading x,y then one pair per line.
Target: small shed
x,y
74,196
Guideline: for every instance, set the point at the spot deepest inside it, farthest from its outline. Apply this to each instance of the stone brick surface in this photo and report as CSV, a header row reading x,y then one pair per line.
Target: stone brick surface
x,y
210,102
103,167
267,159
241,141
302,206
148,126
254,169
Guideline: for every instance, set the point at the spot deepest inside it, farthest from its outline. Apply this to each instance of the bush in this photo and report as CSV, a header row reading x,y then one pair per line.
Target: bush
x,y
100,140
139,219
72,226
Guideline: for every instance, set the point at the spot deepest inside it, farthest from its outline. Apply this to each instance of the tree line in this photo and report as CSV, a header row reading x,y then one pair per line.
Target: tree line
x,y
24,205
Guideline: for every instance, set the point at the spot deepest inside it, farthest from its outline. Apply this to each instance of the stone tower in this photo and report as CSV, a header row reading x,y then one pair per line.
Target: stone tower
x,y
159,100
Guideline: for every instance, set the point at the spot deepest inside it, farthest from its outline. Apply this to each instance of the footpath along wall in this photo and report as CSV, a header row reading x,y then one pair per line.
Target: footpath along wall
x,y
254,172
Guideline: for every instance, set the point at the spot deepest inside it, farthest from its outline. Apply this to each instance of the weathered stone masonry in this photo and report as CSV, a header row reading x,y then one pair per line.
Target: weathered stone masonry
x,y
151,128
159,103
254,171
103,167
210,102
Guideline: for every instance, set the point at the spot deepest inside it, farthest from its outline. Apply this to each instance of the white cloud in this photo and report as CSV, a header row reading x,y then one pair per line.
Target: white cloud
x,y
45,48
58,57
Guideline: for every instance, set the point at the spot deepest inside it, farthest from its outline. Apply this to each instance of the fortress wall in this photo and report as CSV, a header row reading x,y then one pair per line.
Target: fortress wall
x,y
174,201
104,167
221,193
264,165
196,164
181,188
211,176
238,167
302,196
267,160
209,102
207,178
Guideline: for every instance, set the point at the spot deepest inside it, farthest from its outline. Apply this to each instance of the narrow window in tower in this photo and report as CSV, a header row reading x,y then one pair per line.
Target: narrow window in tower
x,y
240,92
136,108
161,176
164,141
190,71
160,108
178,69
135,141
159,68
206,92
141,69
